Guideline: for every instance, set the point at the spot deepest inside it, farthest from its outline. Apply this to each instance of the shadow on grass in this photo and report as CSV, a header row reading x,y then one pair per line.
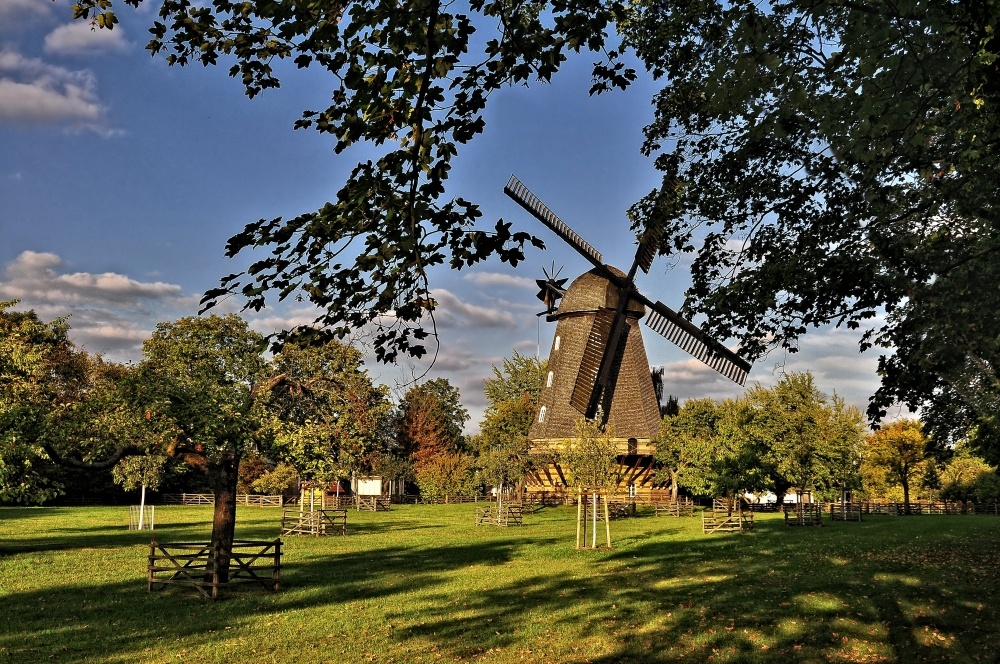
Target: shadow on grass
x,y
877,591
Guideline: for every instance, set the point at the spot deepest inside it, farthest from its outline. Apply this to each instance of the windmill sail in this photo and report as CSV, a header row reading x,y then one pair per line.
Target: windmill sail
x,y
523,197
590,365
690,338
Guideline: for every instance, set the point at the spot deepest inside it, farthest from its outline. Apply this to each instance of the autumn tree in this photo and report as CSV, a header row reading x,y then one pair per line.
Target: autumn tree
x,y
898,453
429,424
966,477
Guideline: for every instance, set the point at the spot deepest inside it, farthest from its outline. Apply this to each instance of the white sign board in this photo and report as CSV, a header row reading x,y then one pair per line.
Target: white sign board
x,y
369,486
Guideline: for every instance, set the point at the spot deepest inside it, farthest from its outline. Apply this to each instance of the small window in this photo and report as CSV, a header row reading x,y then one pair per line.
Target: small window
x,y
631,490
555,346
633,446
548,379
541,414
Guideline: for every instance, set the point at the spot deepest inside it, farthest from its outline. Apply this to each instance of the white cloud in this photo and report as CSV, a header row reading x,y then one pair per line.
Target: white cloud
x,y
453,312
83,37
35,275
34,91
109,313
22,9
501,279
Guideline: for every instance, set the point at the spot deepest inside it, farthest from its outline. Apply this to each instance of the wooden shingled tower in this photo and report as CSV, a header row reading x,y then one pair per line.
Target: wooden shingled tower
x,y
597,366
629,406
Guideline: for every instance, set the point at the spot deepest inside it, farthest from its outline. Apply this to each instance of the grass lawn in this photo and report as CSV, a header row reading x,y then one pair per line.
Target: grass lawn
x,y
421,584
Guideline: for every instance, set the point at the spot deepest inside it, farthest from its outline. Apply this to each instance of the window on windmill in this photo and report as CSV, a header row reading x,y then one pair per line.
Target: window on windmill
x,y
555,345
541,414
548,379
631,490
633,446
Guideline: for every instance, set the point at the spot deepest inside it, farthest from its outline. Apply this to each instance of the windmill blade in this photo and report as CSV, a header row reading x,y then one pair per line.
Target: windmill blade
x,y
649,243
523,197
691,339
590,365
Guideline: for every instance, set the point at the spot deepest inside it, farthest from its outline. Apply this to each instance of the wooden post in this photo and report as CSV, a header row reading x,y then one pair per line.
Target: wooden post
x,y
152,563
607,520
276,572
580,518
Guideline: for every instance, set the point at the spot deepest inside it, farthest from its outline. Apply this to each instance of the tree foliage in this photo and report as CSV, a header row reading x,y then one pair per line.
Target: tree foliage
x,y
897,454
512,401
684,446
326,414
409,79
811,442
831,161
518,378
777,438
60,406
966,477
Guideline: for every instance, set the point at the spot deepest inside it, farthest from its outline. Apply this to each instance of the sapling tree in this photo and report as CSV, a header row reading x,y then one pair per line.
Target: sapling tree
x,y
143,471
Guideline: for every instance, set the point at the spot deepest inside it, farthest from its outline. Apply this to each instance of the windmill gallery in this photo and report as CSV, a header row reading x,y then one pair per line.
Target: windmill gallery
x,y
597,365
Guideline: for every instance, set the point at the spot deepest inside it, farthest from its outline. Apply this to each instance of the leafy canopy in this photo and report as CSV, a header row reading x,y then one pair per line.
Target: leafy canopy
x,y
829,162
60,406
411,79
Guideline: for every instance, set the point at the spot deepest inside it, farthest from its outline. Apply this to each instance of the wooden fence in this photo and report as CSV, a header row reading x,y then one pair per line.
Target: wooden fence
x,y
509,514
674,508
192,564
845,512
804,514
209,499
726,517
315,522
373,504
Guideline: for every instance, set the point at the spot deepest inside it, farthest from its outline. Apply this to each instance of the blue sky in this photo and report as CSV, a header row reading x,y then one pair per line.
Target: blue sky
x,y
121,180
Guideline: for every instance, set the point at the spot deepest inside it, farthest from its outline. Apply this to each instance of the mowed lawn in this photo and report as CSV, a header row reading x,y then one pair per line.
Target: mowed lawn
x,y
423,584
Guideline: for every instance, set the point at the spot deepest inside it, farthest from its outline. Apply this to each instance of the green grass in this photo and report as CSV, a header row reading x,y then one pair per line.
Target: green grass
x,y
422,584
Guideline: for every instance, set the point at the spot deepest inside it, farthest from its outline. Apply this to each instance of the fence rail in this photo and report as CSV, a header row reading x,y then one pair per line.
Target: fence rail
x,y
250,499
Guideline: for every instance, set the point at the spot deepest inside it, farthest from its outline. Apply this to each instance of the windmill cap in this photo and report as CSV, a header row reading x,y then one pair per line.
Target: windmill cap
x,y
593,291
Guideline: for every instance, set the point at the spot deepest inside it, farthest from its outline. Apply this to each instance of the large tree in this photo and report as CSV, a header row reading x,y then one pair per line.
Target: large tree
x,y
829,162
411,80
685,446
205,376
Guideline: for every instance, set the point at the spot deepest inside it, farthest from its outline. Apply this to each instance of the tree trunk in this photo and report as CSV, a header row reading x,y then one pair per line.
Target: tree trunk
x,y
906,496
675,490
224,477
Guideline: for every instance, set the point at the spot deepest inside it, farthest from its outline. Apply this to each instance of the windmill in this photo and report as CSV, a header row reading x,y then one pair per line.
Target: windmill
x,y
598,318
